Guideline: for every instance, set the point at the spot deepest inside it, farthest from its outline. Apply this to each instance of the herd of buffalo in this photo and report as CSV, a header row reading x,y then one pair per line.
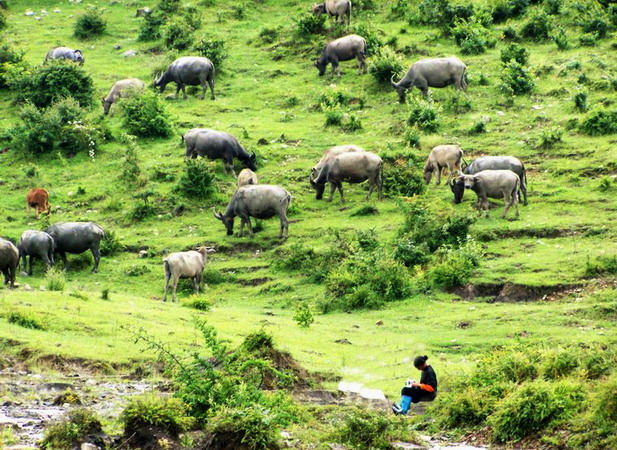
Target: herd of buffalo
x,y
488,176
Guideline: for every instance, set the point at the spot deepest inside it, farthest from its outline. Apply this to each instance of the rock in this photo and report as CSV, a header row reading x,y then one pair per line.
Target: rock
x,y
141,12
143,254
56,10
43,12
43,288
39,18
129,53
357,393
117,47
379,323
87,446
29,13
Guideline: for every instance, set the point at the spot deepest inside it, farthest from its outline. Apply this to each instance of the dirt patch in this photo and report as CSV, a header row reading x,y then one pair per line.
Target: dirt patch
x,y
286,363
222,441
510,292
150,438
243,269
254,281
545,233
240,247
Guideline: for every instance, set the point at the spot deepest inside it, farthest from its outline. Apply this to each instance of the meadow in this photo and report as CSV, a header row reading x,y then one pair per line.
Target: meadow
x,y
269,95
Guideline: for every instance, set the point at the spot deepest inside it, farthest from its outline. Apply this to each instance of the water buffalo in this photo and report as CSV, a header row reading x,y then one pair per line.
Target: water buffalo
x,y
188,71
9,260
246,177
432,72
36,244
121,89
331,152
354,167
214,144
76,238
342,49
339,9
500,163
65,53
37,198
189,264
443,156
261,201
492,184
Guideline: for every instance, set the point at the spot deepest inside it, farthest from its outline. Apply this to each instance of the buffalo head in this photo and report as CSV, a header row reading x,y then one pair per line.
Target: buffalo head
x,y
321,67
470,181
78,56
227,221
319,8
319,189
400,89
428,172
457,186
106,106
251,162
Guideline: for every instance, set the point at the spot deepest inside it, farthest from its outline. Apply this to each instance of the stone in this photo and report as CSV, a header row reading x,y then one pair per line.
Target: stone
x,y
29,13
88,446
117,47
129,53
143,254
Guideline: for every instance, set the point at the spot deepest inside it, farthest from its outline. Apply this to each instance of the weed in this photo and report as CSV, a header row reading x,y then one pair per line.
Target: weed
x,y
538,27
268,35
478,127
168,414
79,295
110,245
177,35
402,177
334,115
31,171
457,103
560,38
424,116
105,294
366,210
514,52
351,123
549,137
453,266
252,425
198,180
599,121
366,429
200,304
472,37
580,101
25,320
602,265
150,28
89,24
310,24
137,270
55,279
10,61
516,79
411,137
303,315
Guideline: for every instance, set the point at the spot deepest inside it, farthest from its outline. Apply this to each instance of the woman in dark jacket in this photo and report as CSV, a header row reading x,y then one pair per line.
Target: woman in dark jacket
x,y
424,391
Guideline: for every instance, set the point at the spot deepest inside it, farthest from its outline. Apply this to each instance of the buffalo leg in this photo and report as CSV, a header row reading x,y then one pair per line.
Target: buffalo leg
x,y
524,192
178,87
210,81
241,230
184,92
5,272
340,189
12,271
332,189
167,276
203,89
23,262
175,287
64,260
250,225
30,265
284,226
438,175
97,257
371,188
196,285
335,68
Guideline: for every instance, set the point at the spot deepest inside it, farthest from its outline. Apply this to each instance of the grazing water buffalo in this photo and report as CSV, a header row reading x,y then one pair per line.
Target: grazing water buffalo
x,y
433,72
330,153
261,201
246,177
214,144
189,264
342,49
354,167
188,71
76,238
500,163
36,244
65,53
492,184
37,198
9,260
121,89
339,9
443,156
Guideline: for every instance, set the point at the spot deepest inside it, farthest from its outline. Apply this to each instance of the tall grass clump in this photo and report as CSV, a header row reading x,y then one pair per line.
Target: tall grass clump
x,y
385,65
516,79
25,320
549,137
90,24
177,35
580,101
76,427
515,52
402,175
162,413
472,36
362,428
600,121
309,24
538,27
55,279
198,180
424,116
144,115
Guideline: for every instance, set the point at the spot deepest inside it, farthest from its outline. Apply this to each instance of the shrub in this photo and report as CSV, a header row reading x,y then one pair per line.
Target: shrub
x,y
105,294
602,265
453,266
478,127
366,429
76,428
212,48
409,252
168,6
89,24
411,137
538,27
516,79
442,13
333,97
402,178
385,65
509,34
136,270
464,407
198,180
549,137
514,52
146,116
177,35
193,16
503,10
150,28
268,35
169,414
3,20
372,37
595,25
599,121
309,24
110,245
10,60
252,425
423,115
200,304
55,279
45,85
560,38
457,103
25,320
366,210
303,315
472,37
559,363
605,406
400,8
334,115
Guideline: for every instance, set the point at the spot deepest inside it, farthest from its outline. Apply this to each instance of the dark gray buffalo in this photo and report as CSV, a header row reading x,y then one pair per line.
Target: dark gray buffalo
x,y
214,144
36,244
261,201
342,49
432,73
499,163
188,71
65,53
339,9
9,260
492,184
76,238
354,167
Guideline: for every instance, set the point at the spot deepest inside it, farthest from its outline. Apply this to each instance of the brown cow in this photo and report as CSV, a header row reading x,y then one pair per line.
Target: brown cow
x,y
38,198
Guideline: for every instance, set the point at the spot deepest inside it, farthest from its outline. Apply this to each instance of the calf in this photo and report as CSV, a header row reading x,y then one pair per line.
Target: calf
x,y
443,156
36,244
247,176
37,198
9,260
493,184
189,264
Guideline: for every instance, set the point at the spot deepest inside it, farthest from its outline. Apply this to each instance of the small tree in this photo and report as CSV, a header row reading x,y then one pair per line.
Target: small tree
x,y
89,25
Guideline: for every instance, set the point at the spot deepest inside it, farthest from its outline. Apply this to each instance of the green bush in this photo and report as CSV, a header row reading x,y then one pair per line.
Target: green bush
x,y
423,115
457,103
351,123
453,266
366,210
252,425
333,97
110,245
165,413
146,116
365,429
10,60
559,363
150,28
599,121
515,52
516,79
411,137
192,16
385,65
3,20
198,180
472,37
402,177
268,35
400,9
334,115
200,304
303,315
441,13
548,138
580,101
538,27
464,407
478,127
89,24
560,38
595,25
602,265
310,24
58,79
77,426
212,48
410,252
55,279
177,35
605,405
168,6
25,320
503,10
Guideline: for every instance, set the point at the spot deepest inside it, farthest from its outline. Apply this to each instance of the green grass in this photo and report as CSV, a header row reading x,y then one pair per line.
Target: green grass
x,y
568,218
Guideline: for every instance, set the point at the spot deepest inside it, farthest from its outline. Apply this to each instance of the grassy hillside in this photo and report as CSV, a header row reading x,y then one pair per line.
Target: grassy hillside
x,y
268,95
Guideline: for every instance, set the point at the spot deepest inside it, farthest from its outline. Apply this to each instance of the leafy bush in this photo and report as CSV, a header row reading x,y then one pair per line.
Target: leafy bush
x,y
55,279
516,79
303,315
212,48
411,137
198,180
146,116
442,13
457,103
351,123
169,414
549,137
472,37
514,52
478,127
367,429
464,407
252,425
595,25
110,245
605,408
423,115
177,35
168,6
538,27
580,101
453,266
333,97
560,38
58,79
150,28
602,265
401,176
503,10
200,304
10,60
599,121
385,65
25,320
70,432
268,35
89,24
309,24
334,115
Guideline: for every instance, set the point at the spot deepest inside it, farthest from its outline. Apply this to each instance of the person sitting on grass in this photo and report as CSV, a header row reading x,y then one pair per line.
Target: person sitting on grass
x,y
413,392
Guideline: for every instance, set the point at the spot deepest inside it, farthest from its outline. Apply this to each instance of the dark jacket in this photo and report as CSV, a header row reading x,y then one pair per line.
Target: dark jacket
x,y
428,380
